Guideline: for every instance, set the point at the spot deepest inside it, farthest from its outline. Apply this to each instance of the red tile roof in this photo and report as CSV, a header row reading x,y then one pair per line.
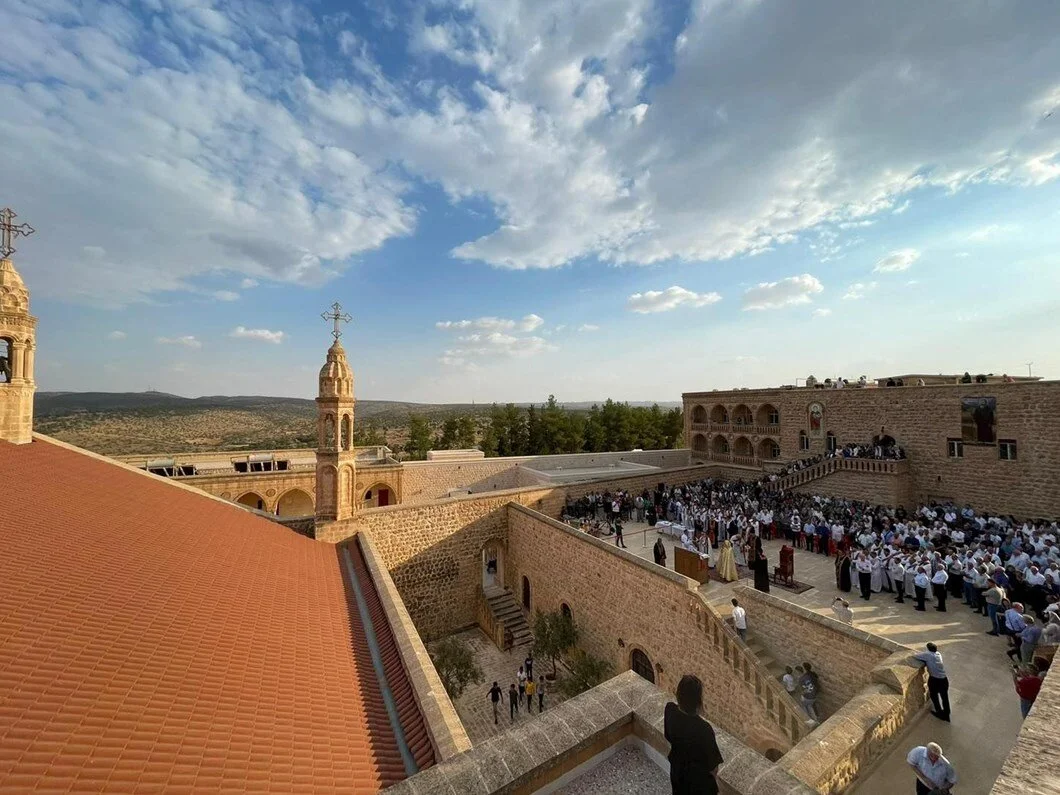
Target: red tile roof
x,y
152,638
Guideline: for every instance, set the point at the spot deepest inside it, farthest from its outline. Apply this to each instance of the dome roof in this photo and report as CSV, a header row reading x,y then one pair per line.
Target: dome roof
x,y
14,297
336,377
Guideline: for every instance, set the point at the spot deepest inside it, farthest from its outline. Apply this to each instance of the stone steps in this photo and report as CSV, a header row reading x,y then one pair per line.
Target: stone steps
x,y
506,610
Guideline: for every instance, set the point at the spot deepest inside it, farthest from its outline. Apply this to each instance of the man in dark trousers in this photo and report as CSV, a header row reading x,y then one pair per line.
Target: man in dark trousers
x,y
659,551
513,701
618,535
920,586
495,697
528,665
938,683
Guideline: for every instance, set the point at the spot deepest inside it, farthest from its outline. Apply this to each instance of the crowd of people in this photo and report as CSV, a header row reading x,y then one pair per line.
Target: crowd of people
x,y
883,448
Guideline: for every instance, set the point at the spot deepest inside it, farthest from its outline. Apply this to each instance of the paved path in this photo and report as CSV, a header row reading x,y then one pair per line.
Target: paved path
x,y
986,715
474,706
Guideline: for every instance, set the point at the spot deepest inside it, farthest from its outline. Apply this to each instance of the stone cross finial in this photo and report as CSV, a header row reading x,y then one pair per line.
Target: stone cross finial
x,y
9,230
336,315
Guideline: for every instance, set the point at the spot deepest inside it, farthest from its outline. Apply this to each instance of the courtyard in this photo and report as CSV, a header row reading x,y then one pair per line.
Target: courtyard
x,y
986,717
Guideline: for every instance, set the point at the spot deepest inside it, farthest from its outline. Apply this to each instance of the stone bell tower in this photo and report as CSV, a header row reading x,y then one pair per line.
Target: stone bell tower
x,y
18,334
336,458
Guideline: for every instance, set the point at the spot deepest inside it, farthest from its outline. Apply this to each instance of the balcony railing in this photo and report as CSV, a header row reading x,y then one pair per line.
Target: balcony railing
x,y
737,428
830,465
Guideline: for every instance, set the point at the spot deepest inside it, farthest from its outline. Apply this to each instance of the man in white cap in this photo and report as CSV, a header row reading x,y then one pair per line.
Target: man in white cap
x,y
934,773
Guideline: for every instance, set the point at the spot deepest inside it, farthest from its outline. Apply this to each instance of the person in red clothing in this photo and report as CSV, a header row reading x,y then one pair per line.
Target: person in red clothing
x,y
1028,682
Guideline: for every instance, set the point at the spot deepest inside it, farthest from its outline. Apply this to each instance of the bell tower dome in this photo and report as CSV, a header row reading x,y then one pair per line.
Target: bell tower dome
x,y
18,340
336,457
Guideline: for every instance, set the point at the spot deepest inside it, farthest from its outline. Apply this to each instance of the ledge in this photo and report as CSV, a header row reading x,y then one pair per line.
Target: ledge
x,y
443,724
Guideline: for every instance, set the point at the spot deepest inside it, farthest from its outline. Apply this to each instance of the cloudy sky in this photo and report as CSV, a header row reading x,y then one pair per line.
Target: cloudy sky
x,y
617,198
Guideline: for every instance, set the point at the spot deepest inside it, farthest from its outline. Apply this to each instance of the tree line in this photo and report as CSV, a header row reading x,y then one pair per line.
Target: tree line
x,y
549,429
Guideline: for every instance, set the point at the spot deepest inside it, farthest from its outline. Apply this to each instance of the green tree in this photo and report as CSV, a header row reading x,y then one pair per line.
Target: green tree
x,y
553,422
455,662
535,442
586,672
419,437
594,431
366,434
466,432
554,634
492,433
515,430
450,432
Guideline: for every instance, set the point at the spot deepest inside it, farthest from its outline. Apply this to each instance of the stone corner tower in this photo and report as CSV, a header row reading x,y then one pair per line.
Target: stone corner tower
x,y
336,457
18,332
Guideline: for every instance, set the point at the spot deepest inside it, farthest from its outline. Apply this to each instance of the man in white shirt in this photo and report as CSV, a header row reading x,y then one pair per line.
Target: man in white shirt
x,y
938,583
739,620
897,571
920,586
864,569
934,773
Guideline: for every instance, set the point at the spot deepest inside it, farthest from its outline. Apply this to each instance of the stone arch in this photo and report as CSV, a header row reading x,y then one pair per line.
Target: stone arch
x,y
346,435
640,664
7,359
252,500
767,414
294,502
742,446
327,432
699,443
831,443
719,444
804,441
741,415
492,555
768,449
719,415
527,602
566,612
699,414
379,495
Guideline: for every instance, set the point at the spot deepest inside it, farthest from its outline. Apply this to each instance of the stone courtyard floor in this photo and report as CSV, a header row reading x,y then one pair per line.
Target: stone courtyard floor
x,y
474,706
986,716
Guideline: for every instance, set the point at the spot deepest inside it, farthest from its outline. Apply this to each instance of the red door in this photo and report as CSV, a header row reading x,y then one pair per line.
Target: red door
x,y
384,497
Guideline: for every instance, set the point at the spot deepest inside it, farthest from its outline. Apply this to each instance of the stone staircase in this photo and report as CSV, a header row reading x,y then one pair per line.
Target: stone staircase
x,y
506,612
764,657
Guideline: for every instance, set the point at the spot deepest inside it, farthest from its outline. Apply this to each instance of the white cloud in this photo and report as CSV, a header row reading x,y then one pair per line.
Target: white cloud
x,y
670,298
822,312
528,323
792,291
859,290
901,208
248,284
495,343
588,327
188,341
989,232
896,261
260,334
116,335
225,295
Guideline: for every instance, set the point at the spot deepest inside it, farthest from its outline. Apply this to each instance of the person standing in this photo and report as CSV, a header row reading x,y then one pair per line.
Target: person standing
x,y
513,701
739,620
897,571
531,687
521,679
934,773
541,694
618,534
694,753
938,683
495,697
1028,682
809,690
841,608
993,596
864,568
528,665
938,583
920,586
659,551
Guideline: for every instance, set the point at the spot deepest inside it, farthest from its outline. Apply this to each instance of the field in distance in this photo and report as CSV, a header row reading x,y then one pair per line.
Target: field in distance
x,y
118,423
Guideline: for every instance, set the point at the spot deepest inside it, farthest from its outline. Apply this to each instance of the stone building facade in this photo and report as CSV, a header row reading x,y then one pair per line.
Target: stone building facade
x,y
1013,472
18,341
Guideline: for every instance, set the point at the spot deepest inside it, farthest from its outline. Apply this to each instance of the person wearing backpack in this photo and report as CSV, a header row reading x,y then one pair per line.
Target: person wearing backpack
x,y
809,690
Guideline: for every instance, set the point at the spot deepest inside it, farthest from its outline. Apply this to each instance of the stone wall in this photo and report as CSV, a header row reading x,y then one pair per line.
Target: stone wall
x,y
921,419
878,488
433,550
622,603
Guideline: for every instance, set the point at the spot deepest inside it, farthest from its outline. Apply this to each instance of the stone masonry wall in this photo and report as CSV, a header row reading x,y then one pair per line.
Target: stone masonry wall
x,y
620,603
433,550
876,488
921,419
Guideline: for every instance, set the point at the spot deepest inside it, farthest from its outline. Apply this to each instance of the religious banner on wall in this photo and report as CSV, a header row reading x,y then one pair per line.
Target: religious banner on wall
x,y
978,420
816,415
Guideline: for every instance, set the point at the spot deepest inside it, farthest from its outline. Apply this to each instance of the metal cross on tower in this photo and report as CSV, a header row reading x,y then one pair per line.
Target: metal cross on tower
x,y
336,315
9,230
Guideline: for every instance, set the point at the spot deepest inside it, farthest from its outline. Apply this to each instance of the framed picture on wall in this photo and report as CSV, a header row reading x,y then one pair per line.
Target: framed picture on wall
x,y
979,420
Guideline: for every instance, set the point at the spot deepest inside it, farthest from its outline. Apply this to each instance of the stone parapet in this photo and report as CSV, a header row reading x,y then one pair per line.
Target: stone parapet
x,y
443,724
538,752
1033,765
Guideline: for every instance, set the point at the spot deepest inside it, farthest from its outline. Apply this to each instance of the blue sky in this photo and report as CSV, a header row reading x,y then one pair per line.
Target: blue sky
x,y
618,198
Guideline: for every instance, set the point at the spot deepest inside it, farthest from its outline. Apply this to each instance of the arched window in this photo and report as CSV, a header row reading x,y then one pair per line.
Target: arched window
x,y
328,442
526,593
699,443
831,443
7,359
741,415
718,415
347,431
768,414
641,665
742,446
699,414
804,441
566,611
720,445
768,448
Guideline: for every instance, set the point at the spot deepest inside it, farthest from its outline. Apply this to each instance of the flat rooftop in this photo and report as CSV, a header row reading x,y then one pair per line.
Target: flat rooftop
x,y
598,472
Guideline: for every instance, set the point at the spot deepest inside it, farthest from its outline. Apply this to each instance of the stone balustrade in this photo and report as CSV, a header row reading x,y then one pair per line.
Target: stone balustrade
x,y
829,465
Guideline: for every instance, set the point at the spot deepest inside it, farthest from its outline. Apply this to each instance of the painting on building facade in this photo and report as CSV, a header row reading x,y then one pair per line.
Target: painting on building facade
x,y
978,420
816,416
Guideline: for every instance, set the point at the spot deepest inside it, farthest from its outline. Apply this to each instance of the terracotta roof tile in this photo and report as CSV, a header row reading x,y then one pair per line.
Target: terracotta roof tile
x,y
154,639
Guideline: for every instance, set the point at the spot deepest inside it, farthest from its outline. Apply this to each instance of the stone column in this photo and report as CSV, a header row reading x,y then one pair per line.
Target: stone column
x,y
15,353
